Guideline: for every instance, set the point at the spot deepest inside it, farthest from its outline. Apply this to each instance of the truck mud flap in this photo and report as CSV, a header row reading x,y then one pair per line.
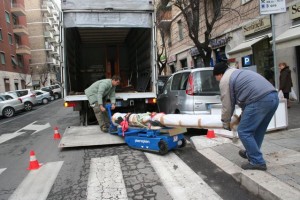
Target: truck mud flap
x,y
77,136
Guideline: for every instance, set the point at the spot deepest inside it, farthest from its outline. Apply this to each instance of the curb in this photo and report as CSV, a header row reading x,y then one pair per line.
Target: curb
x,y
257,182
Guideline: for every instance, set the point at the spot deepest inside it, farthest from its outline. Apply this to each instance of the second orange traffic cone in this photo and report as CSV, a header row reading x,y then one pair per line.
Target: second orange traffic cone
x,y
33,163
210,134
56,134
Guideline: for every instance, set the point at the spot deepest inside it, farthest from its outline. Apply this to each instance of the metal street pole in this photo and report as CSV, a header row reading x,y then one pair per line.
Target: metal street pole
x,y
274,52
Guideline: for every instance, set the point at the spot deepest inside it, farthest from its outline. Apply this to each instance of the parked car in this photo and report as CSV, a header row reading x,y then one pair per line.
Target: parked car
x,y
190,91
28,97
47,89
10,104
43,97
56,90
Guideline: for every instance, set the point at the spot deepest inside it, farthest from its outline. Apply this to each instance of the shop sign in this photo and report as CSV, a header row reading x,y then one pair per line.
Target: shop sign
x,y
219,42
294,11
172,58
247,61
258,25
272,6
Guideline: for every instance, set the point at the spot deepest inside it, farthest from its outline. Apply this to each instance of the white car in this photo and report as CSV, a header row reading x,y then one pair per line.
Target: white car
x,y
9,104
43,97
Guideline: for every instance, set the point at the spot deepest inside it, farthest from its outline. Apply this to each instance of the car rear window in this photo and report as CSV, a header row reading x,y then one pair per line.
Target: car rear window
x,y
205,83
179,81
23,92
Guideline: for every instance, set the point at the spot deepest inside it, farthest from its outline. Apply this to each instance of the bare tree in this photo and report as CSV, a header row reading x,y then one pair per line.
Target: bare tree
x,y
43,74
163,13
206,12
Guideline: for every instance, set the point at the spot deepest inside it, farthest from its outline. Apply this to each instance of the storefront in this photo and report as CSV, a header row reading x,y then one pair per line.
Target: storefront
x,y
218,46
255,52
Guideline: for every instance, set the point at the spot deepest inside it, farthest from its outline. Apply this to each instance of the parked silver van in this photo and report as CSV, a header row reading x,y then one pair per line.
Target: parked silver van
x,y
190,91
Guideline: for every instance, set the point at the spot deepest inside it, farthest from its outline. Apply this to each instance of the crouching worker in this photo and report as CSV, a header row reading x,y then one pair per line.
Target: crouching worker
x,y
258,99
100,92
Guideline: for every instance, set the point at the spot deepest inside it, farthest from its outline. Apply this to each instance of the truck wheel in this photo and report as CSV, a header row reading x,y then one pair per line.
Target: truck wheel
x,y
183,143
28,106
163,147
8,112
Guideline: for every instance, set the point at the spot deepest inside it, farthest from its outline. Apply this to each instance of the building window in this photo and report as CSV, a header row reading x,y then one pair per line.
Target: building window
x,y
180,30
1,37
13,61
10,39
7,17
20,60
2,58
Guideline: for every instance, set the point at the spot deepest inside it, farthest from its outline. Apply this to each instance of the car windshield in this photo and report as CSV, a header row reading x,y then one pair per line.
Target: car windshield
x,y
205,83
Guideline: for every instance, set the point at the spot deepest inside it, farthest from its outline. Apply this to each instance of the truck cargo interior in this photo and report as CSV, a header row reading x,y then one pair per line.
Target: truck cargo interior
x,y
92,54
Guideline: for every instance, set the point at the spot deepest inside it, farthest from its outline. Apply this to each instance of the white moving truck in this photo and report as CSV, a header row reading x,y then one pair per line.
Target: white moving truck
x,y
104,38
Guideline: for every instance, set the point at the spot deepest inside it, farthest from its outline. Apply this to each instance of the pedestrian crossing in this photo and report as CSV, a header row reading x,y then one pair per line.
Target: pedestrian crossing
x,y
106,180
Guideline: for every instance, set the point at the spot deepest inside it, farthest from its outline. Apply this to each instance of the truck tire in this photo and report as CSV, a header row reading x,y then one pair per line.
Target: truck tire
x,y
8,112
183,143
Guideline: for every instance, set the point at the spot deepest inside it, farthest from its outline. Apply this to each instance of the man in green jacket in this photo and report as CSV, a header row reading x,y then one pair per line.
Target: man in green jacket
x,y
98,93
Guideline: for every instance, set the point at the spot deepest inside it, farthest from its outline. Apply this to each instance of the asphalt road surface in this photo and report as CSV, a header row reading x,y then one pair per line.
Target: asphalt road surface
x,y
99,172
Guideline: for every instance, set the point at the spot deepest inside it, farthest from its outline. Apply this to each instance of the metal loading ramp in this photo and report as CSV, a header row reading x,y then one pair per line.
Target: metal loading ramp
x,y
79,136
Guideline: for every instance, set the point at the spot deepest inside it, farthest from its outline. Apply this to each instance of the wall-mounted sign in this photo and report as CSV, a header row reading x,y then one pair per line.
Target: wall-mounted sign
x,y
219,42
247,61
257,25
272,6
294,11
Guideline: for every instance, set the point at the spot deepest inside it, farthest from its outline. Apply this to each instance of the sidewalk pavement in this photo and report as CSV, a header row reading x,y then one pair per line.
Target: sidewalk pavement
x,y
281,151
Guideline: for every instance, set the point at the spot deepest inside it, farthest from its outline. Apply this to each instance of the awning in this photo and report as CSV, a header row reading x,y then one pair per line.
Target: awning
x,y
245,48
289,38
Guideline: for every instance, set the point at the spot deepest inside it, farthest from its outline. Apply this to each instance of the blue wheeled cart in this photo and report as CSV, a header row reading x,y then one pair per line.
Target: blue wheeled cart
x,y
147,139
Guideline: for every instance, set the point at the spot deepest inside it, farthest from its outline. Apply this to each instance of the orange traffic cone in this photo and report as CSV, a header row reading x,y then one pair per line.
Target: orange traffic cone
x,y
33,163
56,134
210,134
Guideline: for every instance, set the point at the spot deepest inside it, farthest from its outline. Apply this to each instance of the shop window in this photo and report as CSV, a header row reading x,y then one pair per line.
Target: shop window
x,y
183,63
6,84
2,58
7,17
10,39
172,68
180,30
1,37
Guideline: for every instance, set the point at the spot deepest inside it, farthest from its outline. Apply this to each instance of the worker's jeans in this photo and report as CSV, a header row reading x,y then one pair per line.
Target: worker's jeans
x,y
254,123
102,117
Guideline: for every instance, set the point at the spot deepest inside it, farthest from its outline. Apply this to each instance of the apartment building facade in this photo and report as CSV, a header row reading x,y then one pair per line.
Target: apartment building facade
x,y
44,25
241,36
14,46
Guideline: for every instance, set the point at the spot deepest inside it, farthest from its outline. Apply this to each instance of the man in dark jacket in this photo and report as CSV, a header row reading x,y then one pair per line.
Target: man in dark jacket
x,y
258,99
285,82
98,93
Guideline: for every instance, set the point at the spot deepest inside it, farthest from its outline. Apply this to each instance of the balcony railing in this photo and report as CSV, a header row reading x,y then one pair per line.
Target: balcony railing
x,y
20,30
48,22
18,9
22,49
48,34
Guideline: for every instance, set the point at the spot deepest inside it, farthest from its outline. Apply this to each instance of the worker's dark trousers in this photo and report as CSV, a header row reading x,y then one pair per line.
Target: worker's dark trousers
x,y
102,117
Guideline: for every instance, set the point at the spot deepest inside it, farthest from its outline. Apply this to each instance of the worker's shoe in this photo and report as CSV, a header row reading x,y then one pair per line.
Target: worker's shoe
x,y
104,129
243,154
249,166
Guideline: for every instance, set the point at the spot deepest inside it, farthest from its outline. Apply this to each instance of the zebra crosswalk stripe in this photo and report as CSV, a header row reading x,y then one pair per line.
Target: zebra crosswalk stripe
x,y
37,184
179,179
106,179
2,170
